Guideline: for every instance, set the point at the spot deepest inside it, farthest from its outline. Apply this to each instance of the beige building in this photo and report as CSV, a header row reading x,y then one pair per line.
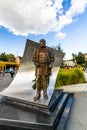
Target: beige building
x,y
69,63
85,56
18,59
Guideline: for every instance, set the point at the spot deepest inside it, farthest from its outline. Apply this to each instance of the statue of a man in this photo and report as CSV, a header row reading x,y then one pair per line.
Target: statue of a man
x,y
43,59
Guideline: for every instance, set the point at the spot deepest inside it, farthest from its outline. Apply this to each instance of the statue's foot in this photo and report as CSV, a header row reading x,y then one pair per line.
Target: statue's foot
x,y
45,97
36,97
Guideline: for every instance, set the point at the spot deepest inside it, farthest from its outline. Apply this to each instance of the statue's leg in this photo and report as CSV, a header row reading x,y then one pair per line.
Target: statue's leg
x,y
45,84
38,89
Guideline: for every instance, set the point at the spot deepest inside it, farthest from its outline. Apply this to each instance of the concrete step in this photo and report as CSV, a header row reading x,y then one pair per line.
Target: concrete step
x,y
64,117
57,95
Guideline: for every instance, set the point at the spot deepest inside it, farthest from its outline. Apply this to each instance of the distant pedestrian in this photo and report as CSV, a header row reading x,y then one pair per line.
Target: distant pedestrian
x,y
67,67
12,72
3,72
0,72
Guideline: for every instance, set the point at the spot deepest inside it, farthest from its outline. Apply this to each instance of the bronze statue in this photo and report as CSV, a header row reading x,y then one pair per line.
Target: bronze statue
x,y
43,59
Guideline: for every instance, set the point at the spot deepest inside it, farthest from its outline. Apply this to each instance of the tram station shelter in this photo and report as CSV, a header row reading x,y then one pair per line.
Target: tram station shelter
x,y
7,65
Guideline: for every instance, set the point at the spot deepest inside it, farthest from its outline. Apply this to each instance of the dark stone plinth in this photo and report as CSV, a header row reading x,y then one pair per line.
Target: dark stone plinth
x,y
16,116
57,95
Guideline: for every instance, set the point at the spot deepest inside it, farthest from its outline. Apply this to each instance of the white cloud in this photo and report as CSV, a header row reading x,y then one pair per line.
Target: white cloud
x,y
60,35
77,7
23,17
29,16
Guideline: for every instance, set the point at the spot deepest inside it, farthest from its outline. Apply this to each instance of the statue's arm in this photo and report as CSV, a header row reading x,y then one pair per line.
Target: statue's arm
x,y
52,58
35,58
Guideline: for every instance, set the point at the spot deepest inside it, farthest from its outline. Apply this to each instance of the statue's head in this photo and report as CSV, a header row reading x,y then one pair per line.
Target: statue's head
x,y
42,43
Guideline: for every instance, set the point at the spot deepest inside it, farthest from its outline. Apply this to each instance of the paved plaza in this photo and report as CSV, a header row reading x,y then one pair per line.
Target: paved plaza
x,y
5,81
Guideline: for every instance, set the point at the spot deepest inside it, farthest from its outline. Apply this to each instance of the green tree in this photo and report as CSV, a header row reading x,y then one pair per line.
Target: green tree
x,y
80,58
58,47
11,58
73,57
85,64
3,57
62,64
7,57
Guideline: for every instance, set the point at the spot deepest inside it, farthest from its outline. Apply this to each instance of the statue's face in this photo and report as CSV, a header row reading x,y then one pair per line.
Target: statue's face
x,y
42,44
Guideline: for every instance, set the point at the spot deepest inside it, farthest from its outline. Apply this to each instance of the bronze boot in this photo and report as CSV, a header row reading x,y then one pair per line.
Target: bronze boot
x,y
45,94
37,96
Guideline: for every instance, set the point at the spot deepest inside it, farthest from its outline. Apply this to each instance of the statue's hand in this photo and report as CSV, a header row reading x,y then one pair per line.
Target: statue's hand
x,y
37,64
51,65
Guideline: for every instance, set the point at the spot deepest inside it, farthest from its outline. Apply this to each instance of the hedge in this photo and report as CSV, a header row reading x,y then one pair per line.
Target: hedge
x,y
68,77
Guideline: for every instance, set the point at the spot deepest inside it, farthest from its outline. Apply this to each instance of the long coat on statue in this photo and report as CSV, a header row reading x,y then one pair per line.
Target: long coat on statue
x,y
42,58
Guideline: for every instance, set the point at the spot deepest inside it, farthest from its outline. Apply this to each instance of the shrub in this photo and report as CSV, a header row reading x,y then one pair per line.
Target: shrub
x,y
68,77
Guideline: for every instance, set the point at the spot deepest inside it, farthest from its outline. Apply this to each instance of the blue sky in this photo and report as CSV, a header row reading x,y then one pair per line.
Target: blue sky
x,y
59,21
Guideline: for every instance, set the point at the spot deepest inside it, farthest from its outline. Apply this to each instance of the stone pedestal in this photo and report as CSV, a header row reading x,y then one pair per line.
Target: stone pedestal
x,y
18,115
